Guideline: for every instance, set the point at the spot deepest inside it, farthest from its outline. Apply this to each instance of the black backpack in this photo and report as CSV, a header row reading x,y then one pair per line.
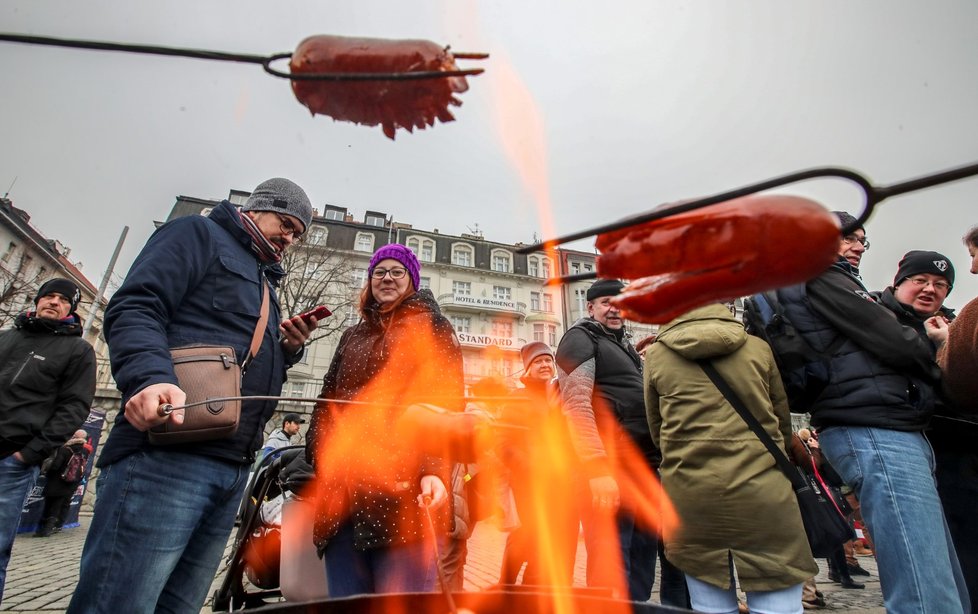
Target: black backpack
x,y
804,370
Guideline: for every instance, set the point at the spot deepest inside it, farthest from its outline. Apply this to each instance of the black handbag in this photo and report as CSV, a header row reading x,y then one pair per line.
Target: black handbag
x,y
826,528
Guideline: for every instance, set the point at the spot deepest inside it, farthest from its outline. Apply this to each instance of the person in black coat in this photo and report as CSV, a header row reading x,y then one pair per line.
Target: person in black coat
x,y
59,492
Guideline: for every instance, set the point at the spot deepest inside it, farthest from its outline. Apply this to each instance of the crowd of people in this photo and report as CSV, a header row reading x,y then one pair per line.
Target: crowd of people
x,y
580,448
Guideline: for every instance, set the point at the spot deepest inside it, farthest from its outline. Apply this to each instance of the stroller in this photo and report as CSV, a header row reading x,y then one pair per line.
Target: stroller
x,y
259,571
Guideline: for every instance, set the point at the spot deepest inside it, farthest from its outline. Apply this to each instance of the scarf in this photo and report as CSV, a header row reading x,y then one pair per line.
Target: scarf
x,y
263,248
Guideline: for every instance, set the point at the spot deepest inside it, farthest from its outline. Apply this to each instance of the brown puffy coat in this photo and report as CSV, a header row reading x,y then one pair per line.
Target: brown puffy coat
x,y
729,494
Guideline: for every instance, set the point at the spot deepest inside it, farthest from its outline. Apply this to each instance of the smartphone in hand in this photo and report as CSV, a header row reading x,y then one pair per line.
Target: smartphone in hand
x,y
319,313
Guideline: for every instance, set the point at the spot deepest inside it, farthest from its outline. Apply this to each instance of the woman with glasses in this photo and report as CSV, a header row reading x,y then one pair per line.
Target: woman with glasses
x,y
378,494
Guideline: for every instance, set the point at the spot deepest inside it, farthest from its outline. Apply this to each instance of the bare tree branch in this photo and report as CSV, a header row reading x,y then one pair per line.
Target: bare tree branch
x,y
319,275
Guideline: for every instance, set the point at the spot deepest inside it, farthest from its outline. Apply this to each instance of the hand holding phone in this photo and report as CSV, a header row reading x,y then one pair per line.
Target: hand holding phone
x,y
319,313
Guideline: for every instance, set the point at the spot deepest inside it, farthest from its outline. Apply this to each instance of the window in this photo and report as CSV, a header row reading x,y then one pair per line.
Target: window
x,y
462,255
580,297
333,214
552,335
352,317
501,293
424,249
317,236
376,220
575,268
502,329
588,268
532,269
365,242
358,278
535,301
501,261
298,389
548,303
462,288
425,283
10,251
462,324
538,332
545,267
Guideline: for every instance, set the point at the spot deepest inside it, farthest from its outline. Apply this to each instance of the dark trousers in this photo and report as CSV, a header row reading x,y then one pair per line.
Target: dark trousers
x,y
957,486
56,510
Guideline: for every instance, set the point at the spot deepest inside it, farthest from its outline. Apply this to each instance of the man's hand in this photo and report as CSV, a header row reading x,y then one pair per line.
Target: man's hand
x,y
142,410
605,493
295,332
434,489
936,328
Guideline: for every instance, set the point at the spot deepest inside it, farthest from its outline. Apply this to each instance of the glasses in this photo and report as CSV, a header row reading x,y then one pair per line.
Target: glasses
x,y
854,239
942,286
287,227
395,273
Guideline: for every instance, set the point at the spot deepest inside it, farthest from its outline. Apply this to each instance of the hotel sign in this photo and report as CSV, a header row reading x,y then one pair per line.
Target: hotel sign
x,y
491,303
484,340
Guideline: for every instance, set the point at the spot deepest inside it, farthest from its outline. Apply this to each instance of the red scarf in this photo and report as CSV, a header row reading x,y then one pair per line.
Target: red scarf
x,y
263,248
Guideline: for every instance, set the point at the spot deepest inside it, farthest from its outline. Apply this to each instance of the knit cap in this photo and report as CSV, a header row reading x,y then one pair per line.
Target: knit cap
x,y
604,287
64,287
532,350
281,196
403,255
847,218
918,261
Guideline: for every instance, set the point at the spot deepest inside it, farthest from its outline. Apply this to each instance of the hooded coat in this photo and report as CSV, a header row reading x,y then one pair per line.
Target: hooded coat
x,y
729,494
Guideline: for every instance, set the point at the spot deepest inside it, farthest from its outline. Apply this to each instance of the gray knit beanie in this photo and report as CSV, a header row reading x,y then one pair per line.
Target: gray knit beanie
x,y
281,196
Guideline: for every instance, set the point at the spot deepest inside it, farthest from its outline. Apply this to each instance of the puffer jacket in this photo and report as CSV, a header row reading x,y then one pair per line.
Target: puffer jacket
x,y
47,379
196,281
363,471
729,494
601,385
883,374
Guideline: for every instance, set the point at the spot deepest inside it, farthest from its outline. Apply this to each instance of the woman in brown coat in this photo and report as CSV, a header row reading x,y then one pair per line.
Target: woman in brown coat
x,y
735,506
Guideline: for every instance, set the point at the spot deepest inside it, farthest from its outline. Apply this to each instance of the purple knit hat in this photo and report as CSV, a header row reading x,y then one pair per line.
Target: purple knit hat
x,y
401,254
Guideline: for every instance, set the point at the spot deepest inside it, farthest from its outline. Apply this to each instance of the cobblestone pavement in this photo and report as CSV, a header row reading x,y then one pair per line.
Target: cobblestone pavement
x,y
42,573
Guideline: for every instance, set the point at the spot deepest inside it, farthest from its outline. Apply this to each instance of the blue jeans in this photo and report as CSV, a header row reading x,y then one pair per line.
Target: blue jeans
x,y
16,482
892,475
409,568
162,519
712,600
632,552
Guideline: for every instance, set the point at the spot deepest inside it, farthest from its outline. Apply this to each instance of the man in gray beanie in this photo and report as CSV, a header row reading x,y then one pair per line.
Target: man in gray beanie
x,y
164,513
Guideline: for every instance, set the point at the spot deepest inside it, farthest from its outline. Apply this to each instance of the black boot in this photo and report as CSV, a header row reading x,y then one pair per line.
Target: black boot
x,y
47,528
856,570
833,572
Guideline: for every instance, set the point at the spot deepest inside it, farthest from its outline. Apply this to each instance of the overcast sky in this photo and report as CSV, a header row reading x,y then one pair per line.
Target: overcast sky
x,y
596,110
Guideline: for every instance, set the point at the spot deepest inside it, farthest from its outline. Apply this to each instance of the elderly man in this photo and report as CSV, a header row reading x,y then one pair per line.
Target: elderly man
x,y
47,379
871,415
163,513
601,387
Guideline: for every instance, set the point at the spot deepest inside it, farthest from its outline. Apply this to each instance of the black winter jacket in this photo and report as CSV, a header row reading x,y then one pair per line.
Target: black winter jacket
x,y
601,385
47,383
883,374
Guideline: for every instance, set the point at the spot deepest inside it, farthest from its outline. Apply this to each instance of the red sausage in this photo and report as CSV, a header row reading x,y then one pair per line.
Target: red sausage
x,y
721,252
390,104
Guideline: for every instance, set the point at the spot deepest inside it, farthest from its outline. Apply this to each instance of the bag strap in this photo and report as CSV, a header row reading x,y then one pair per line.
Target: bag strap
x,y
728,393
259,333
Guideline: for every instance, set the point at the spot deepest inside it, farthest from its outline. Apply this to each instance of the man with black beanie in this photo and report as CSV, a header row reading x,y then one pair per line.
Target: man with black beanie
x,y
603,395
47,382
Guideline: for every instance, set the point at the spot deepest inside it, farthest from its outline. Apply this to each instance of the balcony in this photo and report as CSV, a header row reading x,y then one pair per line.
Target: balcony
x,y
481,304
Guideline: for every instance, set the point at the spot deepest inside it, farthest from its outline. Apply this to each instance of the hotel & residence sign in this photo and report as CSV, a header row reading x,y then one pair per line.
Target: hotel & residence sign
x,y
491,303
